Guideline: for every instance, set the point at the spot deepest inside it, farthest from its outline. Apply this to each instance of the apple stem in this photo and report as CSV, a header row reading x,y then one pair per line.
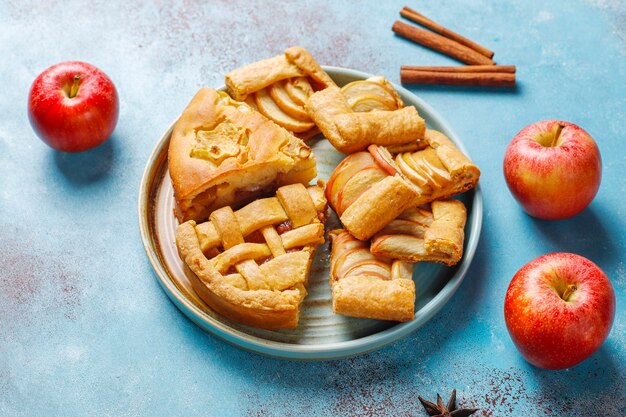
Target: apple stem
x,y
571,289
74,89
557,135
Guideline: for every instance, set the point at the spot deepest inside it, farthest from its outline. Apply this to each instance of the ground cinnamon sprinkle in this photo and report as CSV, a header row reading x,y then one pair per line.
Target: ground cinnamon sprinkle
x,y
30,280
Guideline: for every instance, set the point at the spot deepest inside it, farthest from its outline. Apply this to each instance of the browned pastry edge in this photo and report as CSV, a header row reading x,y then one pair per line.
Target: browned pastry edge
x,y
302,211
350,131
409,238
260,308
294,62
368,294
273,157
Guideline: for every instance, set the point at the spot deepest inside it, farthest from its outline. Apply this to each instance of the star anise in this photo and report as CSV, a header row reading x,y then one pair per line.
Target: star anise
x,y
439,410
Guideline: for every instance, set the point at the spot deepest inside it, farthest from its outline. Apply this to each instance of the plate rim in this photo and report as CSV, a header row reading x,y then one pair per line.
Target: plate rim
x,y
282,350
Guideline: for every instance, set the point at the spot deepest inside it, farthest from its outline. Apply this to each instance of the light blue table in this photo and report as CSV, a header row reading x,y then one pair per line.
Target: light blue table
x,y
86,330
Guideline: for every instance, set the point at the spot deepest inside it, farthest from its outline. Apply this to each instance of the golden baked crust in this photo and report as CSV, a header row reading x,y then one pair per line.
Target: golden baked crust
x,y
430,233
377,206
277,87
294,62
369,189
367,286
222,152
349,131
252,265
438,169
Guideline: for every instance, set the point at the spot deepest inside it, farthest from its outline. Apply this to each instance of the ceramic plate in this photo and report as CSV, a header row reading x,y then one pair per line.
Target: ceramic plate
x,y
320,333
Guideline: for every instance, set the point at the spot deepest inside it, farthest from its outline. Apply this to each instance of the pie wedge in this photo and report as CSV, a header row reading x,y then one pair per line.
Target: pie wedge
x,y
252,265
370,189
368,286
222,152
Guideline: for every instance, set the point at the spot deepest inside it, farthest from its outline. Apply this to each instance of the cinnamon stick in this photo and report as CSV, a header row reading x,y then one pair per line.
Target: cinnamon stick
x,y
420,19
441,44
485,79
464,68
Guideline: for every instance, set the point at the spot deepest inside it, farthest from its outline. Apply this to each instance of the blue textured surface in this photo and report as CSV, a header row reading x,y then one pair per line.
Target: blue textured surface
x,y
85,328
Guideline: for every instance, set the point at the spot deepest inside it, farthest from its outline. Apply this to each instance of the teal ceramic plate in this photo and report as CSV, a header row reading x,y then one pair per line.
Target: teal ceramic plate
x,y
320,334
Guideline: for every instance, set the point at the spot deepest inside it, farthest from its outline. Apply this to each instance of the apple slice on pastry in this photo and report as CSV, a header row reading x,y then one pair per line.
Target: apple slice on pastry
x,y
370,189
367,286
268,107
375,93
431,233
279,94
299,89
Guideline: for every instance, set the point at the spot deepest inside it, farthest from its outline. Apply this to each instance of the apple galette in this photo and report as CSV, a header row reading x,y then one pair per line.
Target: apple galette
x,y
368,286
369,189
252,265
250,224
278,88
430,233
349,128
222,152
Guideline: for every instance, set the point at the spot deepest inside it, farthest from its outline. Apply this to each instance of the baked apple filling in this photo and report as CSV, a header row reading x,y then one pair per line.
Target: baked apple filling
x,y
424,169
225,141
224,153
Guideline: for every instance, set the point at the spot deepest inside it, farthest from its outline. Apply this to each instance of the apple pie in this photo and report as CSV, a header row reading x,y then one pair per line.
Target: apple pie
x,y
279,86
369,189
350,131
429,233
368,286
222,152
252,265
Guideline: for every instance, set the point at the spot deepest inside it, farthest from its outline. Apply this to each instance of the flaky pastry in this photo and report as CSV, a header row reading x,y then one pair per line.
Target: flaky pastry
x,y
349,131
367,286
294,62
222,152
429,233
252,265
369,189
278,87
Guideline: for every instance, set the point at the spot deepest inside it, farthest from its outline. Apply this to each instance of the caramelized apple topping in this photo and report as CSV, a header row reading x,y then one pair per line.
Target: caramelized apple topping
x,y
375,93
424,169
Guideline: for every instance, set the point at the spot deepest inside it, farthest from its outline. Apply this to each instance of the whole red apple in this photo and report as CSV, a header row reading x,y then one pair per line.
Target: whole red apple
x,y
553,169
559,309
73,106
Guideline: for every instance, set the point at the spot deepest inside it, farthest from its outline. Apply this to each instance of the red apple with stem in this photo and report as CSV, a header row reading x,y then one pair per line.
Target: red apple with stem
x,y
73,106
559,309
553,169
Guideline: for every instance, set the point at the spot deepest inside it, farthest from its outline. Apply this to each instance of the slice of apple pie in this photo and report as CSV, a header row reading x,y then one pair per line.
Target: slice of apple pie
x,y
368,286
252,265
370,189
279,86
222,152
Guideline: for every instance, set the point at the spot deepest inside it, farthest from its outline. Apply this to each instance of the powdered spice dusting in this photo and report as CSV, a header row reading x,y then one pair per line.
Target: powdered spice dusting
x,y
33,284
